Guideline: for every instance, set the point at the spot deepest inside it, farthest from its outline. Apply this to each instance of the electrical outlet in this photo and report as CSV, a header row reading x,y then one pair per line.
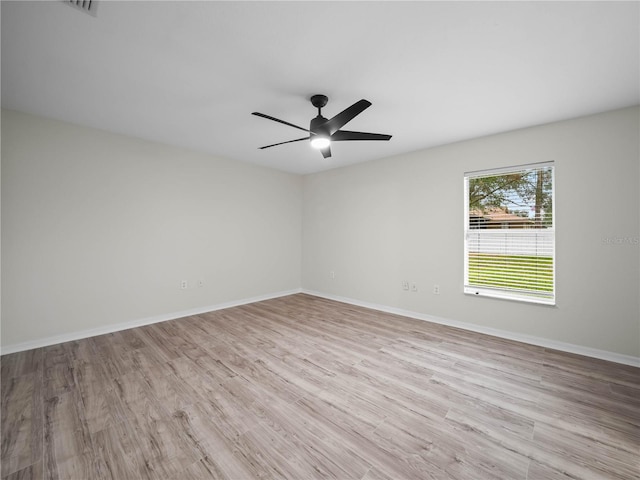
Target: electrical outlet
x,y
405,285
183,285
200,283
414,287
436,289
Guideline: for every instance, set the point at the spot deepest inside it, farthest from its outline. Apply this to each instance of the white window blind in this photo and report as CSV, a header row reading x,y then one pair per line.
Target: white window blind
x,y
510,233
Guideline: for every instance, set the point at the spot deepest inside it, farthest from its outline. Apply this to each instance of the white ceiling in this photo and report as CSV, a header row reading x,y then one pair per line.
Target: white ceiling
x,y
190,73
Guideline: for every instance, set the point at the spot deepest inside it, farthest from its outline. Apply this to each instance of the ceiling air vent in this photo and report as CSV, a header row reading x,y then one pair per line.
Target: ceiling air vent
x,y
86,6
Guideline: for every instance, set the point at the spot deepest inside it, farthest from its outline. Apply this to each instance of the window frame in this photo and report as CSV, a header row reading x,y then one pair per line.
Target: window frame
x,y
502,293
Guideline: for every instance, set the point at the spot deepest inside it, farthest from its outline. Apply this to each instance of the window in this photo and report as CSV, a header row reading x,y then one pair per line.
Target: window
x,y
510,233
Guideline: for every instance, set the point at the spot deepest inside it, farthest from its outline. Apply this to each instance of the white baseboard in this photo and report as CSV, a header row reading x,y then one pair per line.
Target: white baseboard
x,y
519,337
92,332
530,339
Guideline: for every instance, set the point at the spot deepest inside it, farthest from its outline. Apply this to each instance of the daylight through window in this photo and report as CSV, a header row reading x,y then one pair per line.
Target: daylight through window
x,y
510,233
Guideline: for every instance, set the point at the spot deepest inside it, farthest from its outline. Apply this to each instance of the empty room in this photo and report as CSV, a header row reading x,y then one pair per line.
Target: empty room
x,y
320,240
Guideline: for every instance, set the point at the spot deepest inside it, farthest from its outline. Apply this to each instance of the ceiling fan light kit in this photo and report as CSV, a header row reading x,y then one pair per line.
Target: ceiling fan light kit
x,y
320,141
323,132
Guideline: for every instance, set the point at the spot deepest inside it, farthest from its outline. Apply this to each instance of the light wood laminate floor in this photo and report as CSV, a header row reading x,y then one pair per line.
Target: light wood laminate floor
x,y
306,388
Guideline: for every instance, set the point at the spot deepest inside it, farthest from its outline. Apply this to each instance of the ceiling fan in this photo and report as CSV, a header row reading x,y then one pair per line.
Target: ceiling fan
x,y
322,131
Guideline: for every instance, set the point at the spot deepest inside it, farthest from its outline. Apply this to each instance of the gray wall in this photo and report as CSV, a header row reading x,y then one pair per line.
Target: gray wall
x,y
377,224
100,229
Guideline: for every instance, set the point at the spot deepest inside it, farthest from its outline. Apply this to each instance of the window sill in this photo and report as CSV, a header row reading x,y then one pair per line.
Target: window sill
x,y
513,296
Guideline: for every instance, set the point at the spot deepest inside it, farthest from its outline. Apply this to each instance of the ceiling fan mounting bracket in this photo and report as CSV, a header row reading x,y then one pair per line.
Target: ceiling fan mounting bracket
x,y
319,101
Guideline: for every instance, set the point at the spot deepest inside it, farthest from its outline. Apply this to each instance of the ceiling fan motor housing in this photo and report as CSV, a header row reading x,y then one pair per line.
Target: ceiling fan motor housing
x,y
318,126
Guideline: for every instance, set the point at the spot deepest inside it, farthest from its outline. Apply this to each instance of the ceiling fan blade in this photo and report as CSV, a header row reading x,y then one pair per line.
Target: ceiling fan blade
x,y
326,152
258,114
282,143
343,135
334,124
